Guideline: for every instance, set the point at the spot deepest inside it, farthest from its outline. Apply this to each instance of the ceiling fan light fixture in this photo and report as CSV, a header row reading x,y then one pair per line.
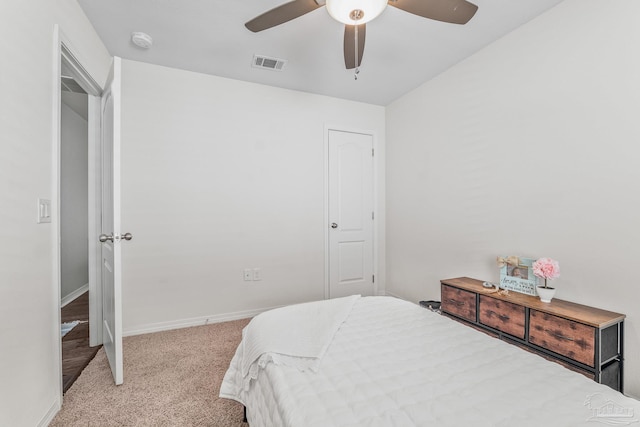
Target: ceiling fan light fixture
x,y
367,10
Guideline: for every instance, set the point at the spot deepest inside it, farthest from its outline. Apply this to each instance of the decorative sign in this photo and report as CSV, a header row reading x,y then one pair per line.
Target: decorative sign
x,y
518,276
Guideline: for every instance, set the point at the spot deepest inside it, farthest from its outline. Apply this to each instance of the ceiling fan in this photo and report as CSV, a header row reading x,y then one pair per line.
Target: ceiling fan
x,y
356,13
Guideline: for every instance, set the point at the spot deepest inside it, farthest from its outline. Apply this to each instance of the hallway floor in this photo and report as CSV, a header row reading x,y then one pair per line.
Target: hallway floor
x,y
76,353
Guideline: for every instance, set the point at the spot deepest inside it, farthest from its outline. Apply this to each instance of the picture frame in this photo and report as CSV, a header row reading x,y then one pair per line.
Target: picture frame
x,y
519,277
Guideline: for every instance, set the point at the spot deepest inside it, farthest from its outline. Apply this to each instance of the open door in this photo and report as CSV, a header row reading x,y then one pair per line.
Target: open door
x,y
110,237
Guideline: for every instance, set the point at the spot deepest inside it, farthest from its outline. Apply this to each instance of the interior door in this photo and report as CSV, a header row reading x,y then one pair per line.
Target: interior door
x,y
111,257
350,214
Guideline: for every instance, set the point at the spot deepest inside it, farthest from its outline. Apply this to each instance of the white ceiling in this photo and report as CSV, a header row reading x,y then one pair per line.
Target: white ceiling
x,y
208,36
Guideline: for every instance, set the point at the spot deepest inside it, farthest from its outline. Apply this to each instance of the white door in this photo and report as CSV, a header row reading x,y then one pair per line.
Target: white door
x,y
111,240
350,214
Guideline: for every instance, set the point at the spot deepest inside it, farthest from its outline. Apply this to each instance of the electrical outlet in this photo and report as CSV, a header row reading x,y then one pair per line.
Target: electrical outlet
x,y
257,274
248,275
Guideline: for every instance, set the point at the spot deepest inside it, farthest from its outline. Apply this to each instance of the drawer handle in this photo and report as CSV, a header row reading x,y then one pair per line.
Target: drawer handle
x,y
502,317
454,302
557,335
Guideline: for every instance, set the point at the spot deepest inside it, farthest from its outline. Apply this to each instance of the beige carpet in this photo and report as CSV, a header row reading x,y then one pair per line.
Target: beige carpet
x,y
170,379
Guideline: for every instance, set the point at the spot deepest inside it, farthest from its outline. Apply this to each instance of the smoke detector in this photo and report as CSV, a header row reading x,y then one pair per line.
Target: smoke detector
x,y
142,40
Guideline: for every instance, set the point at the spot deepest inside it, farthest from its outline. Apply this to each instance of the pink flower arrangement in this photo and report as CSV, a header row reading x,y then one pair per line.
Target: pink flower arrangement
x,y
546,268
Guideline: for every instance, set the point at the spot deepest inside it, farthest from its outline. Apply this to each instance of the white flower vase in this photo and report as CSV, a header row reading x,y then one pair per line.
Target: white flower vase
x,y
546,294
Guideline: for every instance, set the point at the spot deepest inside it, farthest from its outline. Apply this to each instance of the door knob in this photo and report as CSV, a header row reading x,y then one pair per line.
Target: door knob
x,y
334,225
103,237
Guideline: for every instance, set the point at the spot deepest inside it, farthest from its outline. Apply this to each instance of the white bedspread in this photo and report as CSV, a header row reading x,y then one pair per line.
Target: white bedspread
x,y
392,363
296,336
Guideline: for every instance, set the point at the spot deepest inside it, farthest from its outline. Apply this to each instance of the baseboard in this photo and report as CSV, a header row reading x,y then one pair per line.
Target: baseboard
x,y
391,294
51,413
73,295
195,321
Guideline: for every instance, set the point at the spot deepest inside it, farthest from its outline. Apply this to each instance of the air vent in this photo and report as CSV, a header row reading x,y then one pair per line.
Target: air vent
x,y
268,63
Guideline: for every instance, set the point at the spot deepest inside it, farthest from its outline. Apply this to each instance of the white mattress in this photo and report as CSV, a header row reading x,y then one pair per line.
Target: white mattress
x,y
393,363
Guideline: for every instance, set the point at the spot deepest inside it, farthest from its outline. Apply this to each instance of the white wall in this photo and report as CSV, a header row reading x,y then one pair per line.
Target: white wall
x,y
220,175
528,148
30,386
74,204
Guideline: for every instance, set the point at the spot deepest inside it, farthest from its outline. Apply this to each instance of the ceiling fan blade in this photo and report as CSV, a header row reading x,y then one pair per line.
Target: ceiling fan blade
x,y
350,44
451,11
282,14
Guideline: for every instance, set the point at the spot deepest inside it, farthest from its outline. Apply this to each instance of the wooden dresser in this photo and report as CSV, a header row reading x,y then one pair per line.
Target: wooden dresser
x,y
584,339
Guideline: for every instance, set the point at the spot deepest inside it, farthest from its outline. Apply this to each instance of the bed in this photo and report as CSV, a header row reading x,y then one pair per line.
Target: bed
x,y
382,361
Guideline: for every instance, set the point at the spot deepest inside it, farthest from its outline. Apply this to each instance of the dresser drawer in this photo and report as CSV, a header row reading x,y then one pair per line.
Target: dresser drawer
x,y
573,340
567,365
458,302
503,316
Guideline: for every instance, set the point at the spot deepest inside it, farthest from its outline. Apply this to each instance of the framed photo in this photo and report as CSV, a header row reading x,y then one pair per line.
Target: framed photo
x,y
520,277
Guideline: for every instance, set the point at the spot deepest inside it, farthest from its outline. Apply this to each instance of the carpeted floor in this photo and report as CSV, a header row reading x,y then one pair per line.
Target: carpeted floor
x,y
171,378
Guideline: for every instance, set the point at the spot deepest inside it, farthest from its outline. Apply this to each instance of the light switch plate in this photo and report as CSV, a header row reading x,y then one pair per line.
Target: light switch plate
x,y
44,211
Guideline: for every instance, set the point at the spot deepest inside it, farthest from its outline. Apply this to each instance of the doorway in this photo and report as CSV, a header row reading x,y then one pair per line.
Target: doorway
x,y
351,213
76,209
74,227
104,236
